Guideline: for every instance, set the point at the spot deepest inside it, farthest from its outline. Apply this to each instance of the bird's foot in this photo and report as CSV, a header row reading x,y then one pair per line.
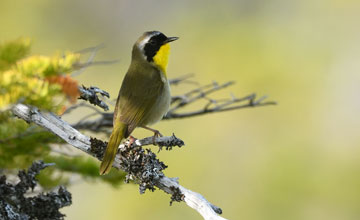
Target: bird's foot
x,y
156,133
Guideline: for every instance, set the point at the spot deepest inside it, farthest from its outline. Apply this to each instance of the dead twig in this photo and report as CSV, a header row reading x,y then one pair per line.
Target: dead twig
x,y
104,120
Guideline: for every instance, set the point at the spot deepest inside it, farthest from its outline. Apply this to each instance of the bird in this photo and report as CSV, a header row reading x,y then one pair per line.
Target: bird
x,y
144,96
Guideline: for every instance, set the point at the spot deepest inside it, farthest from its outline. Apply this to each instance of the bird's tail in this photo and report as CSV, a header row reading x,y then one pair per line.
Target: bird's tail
x,y
117,135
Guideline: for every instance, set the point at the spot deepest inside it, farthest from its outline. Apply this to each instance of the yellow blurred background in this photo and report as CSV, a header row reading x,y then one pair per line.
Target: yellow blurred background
x,y
297,160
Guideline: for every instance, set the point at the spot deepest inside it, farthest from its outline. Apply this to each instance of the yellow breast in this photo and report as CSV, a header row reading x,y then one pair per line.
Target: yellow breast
x,y
161,58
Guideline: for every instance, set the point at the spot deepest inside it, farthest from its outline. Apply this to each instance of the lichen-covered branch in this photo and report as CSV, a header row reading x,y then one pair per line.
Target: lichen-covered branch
x,y
90,94
15,204
141,165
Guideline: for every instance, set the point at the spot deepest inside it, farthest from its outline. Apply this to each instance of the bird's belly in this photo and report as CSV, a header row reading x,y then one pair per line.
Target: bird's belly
x,y
161,107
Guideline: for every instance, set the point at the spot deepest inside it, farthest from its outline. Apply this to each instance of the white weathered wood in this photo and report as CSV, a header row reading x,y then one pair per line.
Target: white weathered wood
x,y
76,139
54,124
192,199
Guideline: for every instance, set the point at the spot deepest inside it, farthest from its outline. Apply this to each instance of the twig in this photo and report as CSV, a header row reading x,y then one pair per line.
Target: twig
x,y
140,164
201,94
81,104
105,119
181,79
93,51
178,102
90,94
206,111
222,108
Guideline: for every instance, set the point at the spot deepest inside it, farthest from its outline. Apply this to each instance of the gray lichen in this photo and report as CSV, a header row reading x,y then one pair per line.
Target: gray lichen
x,y
14,204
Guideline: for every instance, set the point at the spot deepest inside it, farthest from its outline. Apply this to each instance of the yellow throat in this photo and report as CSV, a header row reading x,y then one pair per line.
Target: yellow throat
x,y
161,58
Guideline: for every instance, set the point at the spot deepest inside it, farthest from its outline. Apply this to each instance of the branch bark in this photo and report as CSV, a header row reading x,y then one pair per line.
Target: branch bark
x,y
128,157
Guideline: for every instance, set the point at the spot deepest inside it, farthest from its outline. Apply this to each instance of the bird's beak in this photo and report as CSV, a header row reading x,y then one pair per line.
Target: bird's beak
x,y
170,39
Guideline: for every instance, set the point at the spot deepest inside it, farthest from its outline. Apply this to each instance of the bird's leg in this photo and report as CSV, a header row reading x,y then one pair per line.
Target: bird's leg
x,y
156,133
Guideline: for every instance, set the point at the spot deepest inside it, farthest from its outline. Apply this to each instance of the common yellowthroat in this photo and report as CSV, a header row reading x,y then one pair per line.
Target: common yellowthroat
x,y
144,96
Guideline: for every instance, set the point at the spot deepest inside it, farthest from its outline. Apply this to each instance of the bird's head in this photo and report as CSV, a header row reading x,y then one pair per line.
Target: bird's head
x,y
154,48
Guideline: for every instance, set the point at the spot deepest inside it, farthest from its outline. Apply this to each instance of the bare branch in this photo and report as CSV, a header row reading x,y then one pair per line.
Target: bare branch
x,y
105,119
93,49
91,58
81,104
95,63
181,79
90,94
90,61
99,125
201,93
222,108
141,165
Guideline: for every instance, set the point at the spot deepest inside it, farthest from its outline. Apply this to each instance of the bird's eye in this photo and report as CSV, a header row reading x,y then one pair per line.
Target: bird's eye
x,y
152,42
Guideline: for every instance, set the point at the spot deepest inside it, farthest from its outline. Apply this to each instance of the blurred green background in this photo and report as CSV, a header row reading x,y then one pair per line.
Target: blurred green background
x,y
297,160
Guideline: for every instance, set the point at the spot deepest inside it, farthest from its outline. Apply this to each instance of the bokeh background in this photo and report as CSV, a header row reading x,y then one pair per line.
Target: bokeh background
x,y
297,160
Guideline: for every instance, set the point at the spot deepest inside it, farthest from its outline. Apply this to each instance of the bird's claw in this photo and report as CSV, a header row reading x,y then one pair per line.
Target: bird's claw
x,y
156,134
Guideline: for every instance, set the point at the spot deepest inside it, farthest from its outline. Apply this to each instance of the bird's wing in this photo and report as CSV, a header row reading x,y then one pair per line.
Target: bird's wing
x,y
138,95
